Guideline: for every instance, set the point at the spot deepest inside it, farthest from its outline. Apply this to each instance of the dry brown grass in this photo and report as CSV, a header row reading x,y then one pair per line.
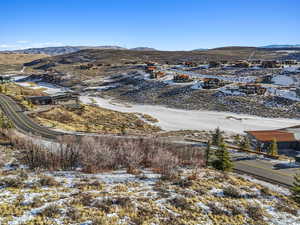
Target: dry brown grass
x,y
14,90
16,58
95,119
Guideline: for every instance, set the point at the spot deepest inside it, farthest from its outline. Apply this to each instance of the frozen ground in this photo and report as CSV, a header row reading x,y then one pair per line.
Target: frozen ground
x,y
48,88
283,80
176,119
116,197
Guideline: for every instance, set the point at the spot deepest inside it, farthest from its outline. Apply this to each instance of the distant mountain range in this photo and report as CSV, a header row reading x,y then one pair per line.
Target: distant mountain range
x,y
143,49
70,49
61,50
281,46
200,49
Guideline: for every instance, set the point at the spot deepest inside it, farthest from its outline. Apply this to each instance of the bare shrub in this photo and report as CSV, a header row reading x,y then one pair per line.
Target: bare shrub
x,y
235,209
103,204
255,212
15,182
124,202
266,191
232,192
100,220
180,202
287,208
166,162
73,213
50,211
47,181
95,154
131,154
217,209
86,199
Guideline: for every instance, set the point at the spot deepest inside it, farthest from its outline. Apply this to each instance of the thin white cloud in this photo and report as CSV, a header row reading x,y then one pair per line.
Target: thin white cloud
x,y
6,46
48,44
23,42
26,44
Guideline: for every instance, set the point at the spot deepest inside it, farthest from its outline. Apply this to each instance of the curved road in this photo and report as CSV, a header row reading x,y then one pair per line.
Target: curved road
x,y
260,169
22,122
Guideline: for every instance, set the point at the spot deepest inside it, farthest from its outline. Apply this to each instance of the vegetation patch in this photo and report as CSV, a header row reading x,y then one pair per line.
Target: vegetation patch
x,y
95,119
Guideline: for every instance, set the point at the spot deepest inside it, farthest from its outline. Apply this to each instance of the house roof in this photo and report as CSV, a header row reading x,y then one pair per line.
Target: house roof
x,y
269,135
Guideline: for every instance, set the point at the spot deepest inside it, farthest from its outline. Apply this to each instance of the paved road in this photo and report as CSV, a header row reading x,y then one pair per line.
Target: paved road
x,y
22,122
264,169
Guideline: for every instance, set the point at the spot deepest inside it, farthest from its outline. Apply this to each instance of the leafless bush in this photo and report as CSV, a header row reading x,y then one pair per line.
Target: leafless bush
x,y
73,213
287,208
15,182
216,209
232,192
47,181
94,154
235,209
50,211
180,202
165,161
255,212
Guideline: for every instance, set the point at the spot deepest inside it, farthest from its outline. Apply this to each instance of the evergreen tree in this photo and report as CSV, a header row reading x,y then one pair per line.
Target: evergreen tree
x,y
273,149
237,139
217,137
223,161
296,188
9,124
245,143
207,153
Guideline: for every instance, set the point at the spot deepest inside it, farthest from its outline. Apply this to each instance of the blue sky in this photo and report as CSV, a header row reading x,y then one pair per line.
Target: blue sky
x,y
162,24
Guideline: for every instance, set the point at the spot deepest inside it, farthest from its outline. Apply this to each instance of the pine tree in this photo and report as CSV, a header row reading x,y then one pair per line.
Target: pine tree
x,y
217,137
223,161
296,188
237,139
245,143
273,149
207,153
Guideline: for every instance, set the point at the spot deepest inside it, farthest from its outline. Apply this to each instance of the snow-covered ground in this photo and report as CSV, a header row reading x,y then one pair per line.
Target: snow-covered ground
x,y
177,119
291,68
283,80
288,94
248,79
50,89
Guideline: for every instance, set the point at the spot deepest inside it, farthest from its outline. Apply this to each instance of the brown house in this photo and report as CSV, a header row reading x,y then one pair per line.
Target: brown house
x,y
158,74
262,139
210,83
270,64
190,64
251,89
182,78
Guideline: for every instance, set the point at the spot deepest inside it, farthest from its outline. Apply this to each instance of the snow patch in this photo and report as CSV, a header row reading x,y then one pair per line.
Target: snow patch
x,y
178,119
